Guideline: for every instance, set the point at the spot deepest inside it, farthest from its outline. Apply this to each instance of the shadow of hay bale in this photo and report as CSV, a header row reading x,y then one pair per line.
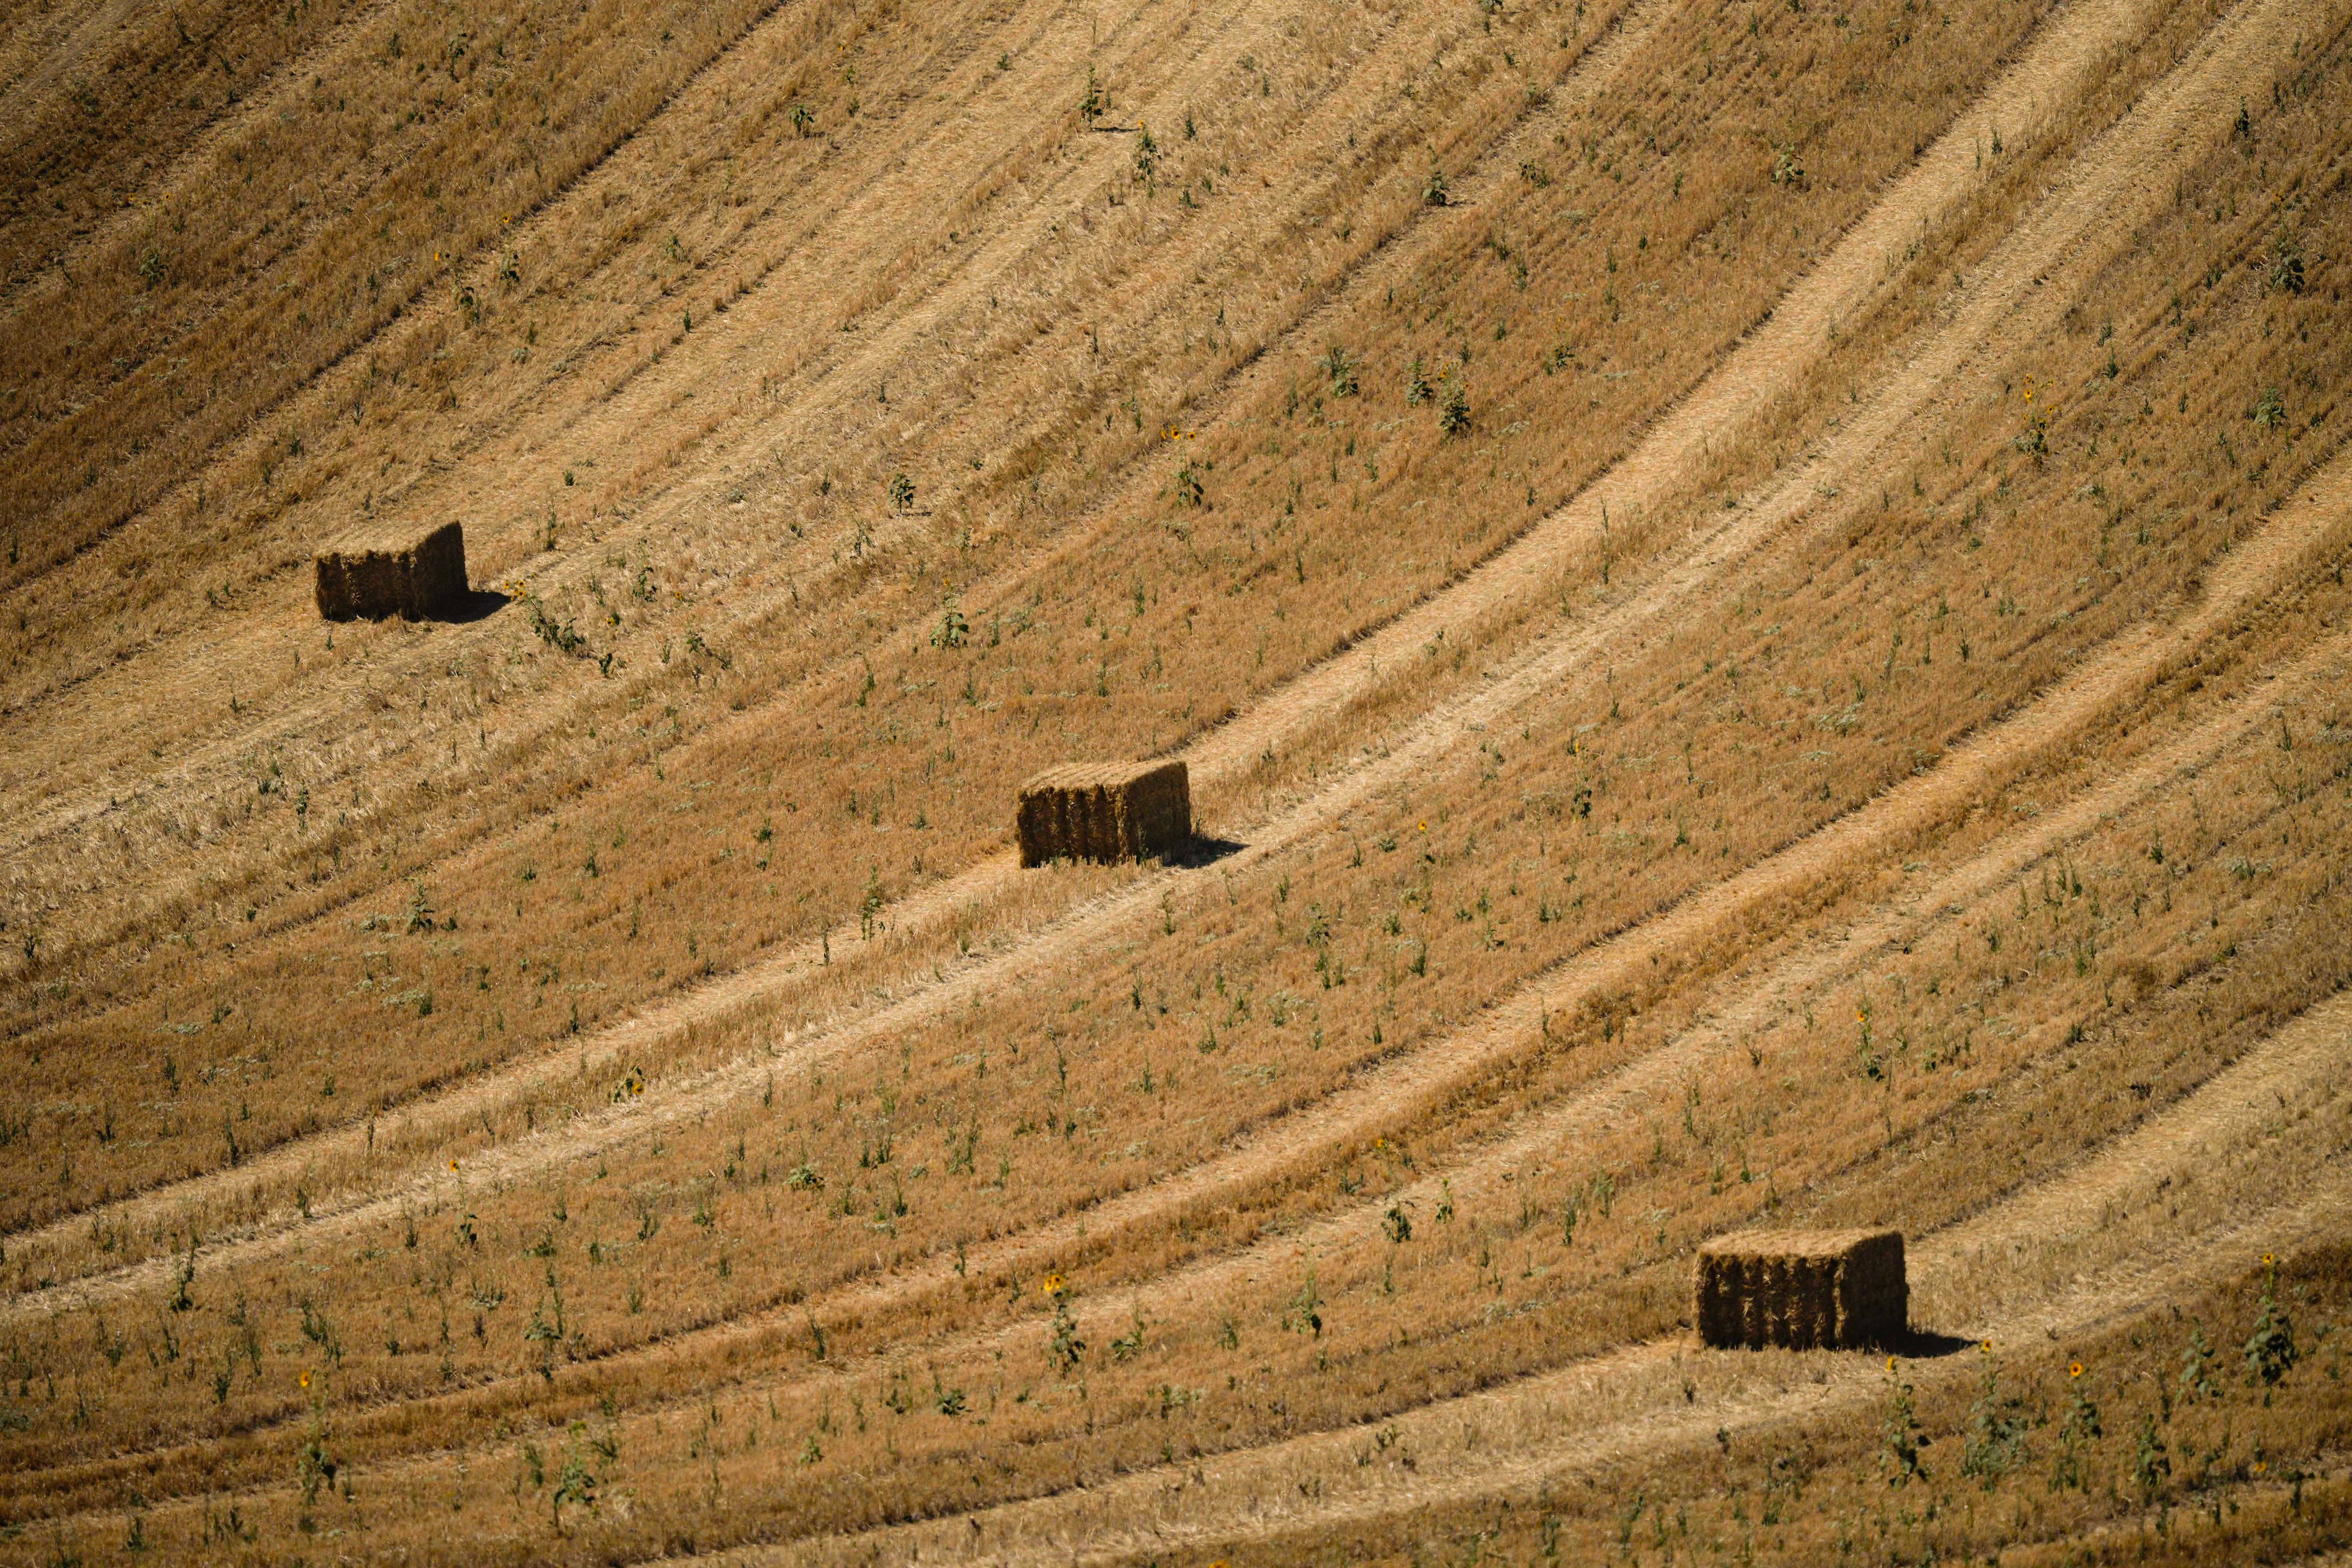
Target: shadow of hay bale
x,y
478,605
1201,849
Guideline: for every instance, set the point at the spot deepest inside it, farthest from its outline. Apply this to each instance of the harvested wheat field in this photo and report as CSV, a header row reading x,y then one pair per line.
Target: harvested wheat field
x,y
1641,633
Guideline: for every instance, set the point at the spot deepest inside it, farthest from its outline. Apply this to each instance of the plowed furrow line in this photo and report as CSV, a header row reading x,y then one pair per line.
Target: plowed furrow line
x,y
341,359
1391,1103
630,161
840,385
632,158
38,51
1009,254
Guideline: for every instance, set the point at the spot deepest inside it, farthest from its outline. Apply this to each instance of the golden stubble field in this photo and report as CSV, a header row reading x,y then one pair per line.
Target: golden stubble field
x,y
1754,598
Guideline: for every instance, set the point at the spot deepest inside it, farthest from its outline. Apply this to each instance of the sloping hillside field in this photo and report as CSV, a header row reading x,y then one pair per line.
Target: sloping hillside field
x,y
1752,597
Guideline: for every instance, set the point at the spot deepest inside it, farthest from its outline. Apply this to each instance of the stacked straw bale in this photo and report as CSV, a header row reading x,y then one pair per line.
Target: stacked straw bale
x,y
1104,811
1803,1289
371,578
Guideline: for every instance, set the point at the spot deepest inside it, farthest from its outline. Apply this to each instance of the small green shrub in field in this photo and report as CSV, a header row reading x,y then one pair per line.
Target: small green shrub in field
x,y
2197,1369
2152,1465
1996,1427
1189,489
2076,1433
1064,1344
2271,1351
560,636
2283,269
2035,440
1146,158
1342,374
1454,418
1900,1437
1303,1313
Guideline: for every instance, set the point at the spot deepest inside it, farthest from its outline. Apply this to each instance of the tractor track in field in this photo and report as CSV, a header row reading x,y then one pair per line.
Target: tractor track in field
x,y
841,379
2124,165
844,224
1611,1096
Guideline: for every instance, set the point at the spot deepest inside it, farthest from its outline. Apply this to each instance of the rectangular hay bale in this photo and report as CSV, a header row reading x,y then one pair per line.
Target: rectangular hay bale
x,y
372,578
1104,811
1802,1290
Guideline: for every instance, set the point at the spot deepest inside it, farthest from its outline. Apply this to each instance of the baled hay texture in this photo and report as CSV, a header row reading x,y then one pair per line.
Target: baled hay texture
x,y
1104,811
371,578
1802,1290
